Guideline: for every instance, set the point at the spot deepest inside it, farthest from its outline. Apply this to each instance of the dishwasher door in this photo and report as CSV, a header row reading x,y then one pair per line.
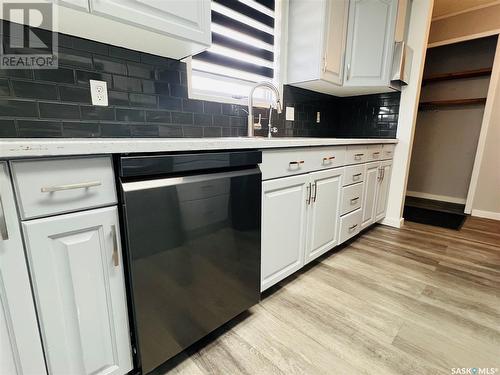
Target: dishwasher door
x,y
194,256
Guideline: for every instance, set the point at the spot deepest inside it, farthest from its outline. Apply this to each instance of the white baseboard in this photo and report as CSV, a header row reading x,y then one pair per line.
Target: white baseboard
x,y
442,198
486,214
395,222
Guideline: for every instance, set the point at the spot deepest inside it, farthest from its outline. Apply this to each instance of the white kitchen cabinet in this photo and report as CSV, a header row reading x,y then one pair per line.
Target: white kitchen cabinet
x,y
316,42
20,345
78,4
370,42
341,47
372,171
323,213
187,19
383,189
284,215
77,273
375,192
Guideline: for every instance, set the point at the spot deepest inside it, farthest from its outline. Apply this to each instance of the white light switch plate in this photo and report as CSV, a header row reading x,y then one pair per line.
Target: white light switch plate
x,y
289,113
318,117
99,92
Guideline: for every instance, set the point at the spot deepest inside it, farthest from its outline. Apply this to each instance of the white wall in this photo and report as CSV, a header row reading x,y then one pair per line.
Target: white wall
x,y
421,12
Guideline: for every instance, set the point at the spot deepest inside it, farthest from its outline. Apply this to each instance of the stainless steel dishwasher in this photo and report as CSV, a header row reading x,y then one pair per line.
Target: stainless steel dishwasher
x,y
192,241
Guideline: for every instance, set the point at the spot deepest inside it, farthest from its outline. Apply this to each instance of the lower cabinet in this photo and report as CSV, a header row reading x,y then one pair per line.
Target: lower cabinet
x,y
77,273
299,221
324,205
376,190
20,346
284,216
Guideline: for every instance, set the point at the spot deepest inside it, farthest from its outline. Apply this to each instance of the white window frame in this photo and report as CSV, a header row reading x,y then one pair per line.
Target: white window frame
x,y
279,63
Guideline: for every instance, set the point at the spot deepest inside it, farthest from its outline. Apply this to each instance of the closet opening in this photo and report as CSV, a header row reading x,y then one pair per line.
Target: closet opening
x,y
452,101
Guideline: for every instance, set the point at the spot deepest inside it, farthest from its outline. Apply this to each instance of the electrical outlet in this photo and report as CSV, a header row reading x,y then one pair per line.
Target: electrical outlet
x,y
318,117
289,113
99,92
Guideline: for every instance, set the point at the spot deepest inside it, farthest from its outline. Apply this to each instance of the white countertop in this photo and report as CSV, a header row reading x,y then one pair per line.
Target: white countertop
x,y
26,147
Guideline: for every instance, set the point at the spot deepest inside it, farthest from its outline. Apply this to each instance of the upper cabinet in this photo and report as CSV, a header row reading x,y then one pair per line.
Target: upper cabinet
x,y
370,42
173,28
187,19
341,47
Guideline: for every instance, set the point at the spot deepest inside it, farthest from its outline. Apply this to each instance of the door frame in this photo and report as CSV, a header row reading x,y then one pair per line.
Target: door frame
x,y
485,125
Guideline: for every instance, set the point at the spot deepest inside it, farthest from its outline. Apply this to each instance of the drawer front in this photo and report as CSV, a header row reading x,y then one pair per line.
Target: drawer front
x,y
356,154
349,225
52,186
353,174
351,198
281,163
388,151
328,157
374,152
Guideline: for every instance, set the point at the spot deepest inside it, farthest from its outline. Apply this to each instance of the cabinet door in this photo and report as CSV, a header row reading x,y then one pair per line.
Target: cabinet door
x,y
20,346
76,267
79,4
188,19
323,216
370,42
383,189
284,216
335,37
370,193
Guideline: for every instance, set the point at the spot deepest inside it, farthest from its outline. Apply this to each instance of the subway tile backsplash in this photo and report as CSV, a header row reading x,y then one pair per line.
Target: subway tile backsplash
x,y
148,97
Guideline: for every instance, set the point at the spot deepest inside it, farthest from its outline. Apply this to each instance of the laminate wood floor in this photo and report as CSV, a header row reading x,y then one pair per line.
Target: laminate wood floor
x,y
418,300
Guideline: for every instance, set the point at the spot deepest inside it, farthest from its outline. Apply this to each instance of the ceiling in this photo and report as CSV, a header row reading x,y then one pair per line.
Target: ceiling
x,y
445,7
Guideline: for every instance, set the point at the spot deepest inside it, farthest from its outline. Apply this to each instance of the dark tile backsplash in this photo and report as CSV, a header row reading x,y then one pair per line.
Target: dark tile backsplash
x,y
148,98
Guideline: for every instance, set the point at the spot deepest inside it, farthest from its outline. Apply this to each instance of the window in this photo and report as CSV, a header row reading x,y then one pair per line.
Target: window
x,y
243,52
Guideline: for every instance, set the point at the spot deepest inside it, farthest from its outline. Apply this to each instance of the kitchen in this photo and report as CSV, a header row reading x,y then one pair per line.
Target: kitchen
x,y
218,187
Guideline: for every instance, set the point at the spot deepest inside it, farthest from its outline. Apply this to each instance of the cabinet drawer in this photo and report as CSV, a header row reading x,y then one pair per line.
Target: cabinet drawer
x,y
356,154
388,151
351,198
327,157
52,186
353,174
373,152
280,163
349,225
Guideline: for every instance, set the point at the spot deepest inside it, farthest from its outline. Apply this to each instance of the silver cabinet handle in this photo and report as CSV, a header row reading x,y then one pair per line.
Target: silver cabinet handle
x,y
354,200
328,159
315,194
308,194
348,71
358,156
4,232
352,227
376,154
116,260
296,164
356,176
82,185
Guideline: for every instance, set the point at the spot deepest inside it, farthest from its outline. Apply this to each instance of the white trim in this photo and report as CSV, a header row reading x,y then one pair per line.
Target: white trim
x,y
488,109
486,214
393,222
464,38
436,197
477,7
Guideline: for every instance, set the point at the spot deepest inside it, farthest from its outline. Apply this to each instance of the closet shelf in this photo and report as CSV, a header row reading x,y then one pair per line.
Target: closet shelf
x,y
457,75
455,102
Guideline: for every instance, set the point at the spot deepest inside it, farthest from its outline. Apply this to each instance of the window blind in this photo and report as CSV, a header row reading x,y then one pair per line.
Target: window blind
x,y
242,51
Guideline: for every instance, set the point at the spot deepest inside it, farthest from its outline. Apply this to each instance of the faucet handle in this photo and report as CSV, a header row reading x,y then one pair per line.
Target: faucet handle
x,y
258,125
274,129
